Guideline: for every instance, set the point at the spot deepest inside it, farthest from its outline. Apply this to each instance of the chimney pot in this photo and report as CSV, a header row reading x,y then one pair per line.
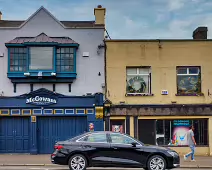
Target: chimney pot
x,y
99,6
0,15
200,33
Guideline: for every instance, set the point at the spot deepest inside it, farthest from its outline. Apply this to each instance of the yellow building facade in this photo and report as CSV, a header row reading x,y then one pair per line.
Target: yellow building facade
x,y
156,89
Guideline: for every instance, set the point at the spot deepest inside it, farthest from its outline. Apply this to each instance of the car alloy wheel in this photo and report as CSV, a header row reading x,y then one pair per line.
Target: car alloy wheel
x,y
78,162
156,163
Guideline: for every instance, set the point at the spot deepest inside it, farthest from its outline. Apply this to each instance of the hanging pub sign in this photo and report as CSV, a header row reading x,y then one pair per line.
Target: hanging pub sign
x,y
41,100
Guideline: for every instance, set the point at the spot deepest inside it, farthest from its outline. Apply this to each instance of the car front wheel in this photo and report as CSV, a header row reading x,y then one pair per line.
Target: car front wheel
x,y
77,162
156,162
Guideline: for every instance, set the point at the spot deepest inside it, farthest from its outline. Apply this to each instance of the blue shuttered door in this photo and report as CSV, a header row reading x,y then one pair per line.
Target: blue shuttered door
x,y
52,129
14,135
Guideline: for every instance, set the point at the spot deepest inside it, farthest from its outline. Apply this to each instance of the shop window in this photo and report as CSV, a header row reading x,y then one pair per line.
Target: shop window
x,y
48,111
80,111
18,59
58,111
174,132
4,112
26,112
65,60
117,126
138,80
188,80
37,112
69,111
15,112
90,111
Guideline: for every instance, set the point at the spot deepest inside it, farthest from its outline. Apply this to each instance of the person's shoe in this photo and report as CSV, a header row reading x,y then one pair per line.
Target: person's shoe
x,y
185,158
193,160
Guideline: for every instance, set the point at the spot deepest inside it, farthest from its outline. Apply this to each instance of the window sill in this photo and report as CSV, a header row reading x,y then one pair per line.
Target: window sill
x,y
200,94
138,94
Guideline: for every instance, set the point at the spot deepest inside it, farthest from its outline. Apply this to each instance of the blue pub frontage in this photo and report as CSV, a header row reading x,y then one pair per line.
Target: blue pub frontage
x,y
33,122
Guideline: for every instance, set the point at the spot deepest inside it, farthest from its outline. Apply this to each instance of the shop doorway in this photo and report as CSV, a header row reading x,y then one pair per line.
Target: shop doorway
x,y
146,131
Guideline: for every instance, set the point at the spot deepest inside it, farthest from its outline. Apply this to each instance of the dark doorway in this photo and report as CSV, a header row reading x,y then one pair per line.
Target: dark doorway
x,y
146,131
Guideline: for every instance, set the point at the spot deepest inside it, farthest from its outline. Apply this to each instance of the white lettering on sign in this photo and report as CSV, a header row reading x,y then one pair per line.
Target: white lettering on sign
x,y
41,100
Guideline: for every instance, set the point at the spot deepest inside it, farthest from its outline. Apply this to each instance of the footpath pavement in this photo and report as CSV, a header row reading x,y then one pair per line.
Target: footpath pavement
x,y
44,160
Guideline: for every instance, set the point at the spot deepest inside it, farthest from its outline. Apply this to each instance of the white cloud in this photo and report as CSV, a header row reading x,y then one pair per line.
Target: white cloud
x,y
125,19
175,4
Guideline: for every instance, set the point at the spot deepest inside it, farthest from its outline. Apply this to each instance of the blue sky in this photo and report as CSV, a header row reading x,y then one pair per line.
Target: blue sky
x,y
125,19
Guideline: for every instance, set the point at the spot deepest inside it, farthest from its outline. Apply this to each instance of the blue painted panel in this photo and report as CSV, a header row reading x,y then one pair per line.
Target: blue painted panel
x,y
14,135
53,129
63,101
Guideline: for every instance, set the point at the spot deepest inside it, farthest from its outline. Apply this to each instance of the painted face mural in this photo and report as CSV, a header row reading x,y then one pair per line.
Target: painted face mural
x,y
117,128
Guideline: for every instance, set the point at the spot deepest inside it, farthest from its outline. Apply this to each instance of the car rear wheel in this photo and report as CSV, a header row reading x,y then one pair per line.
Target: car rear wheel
x,y
77,162
156,162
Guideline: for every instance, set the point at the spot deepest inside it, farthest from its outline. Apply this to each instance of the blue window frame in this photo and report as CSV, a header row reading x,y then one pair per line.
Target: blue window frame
x,y
18,59
65,60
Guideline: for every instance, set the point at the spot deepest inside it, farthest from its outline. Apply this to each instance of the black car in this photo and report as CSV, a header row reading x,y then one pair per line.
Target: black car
x,y
110,149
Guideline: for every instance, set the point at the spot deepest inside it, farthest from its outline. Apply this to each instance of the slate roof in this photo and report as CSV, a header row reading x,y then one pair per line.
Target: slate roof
x,y
68,24
42,38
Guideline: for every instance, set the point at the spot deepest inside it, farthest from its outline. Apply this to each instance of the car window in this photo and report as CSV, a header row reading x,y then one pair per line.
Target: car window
x,y
122,139
95,137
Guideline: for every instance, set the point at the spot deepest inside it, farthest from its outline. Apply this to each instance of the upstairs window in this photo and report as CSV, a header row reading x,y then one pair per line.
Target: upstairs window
x,y
18,59
188,80
65,60
138,80
41,58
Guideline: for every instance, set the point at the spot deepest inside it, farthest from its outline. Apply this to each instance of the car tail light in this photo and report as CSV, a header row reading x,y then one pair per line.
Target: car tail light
x,y
58,147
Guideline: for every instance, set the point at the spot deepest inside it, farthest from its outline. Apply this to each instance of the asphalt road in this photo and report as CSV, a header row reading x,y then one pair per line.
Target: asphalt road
x,y
65,168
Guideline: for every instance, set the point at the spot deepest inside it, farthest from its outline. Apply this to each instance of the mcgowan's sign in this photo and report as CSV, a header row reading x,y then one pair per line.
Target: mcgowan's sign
x,y
41,100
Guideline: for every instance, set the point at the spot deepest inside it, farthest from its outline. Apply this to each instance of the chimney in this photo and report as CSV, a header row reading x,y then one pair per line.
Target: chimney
x,y
200,33
0,15
99,13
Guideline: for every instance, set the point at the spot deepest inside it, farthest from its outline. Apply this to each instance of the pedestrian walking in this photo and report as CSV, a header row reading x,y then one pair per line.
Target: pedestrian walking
x,y
191,143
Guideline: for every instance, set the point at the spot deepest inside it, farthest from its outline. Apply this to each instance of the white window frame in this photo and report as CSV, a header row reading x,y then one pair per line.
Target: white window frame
x,y
187,68
137,74
187,72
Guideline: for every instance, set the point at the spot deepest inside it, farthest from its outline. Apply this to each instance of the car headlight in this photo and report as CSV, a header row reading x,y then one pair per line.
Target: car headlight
x,y
174,154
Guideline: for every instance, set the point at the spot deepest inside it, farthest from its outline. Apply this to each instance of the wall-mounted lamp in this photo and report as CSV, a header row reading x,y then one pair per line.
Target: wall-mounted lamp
x,y
53,74
1,54
27,74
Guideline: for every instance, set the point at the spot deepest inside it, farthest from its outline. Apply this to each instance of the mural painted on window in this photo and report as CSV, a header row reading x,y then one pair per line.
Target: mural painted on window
x,y
188,80
174,132
117,126
138,80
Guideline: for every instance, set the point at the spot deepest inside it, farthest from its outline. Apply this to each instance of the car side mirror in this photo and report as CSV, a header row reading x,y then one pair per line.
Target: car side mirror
x,y
134,144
